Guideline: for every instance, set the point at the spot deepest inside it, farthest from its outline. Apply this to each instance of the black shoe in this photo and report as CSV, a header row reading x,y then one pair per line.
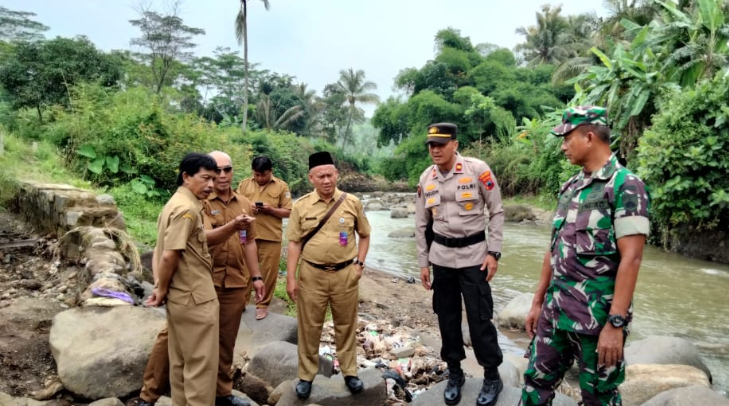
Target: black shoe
x,y
231,400
452,393
489,392
303,389
142,402
354,384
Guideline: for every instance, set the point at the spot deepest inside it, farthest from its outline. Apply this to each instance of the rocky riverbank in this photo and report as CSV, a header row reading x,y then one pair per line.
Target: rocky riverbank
x,y
55,352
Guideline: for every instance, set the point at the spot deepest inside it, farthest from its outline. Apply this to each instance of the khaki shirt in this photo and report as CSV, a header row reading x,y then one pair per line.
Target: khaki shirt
x,y
276,194
335,242
229,270
456,202
180,228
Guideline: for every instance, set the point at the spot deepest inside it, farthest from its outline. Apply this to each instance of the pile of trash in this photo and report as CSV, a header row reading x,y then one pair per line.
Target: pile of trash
x,y
408,366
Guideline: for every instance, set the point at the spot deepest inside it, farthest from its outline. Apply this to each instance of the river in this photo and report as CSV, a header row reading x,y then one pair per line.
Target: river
x,y
675,295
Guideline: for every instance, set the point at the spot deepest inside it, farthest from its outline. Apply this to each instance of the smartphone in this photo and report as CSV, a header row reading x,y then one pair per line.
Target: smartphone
x,y
259,204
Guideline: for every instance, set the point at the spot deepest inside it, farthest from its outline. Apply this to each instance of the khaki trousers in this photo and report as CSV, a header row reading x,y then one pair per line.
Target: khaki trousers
x,y
269,257
317,288
157,373
193,350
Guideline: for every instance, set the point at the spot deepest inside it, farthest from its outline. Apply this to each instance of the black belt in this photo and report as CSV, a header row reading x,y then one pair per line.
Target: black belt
x,y
460,242
331,267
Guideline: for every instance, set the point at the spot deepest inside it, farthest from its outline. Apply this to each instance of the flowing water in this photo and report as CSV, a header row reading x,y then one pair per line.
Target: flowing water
x,y
675,295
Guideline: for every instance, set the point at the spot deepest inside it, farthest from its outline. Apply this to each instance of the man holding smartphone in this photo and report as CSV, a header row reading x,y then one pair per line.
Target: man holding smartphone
x,y
272,203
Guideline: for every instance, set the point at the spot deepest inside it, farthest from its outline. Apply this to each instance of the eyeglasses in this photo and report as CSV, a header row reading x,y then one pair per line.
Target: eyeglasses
x,y
226,169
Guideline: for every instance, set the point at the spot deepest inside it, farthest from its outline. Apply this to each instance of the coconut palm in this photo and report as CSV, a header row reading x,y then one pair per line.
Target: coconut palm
x,y
356,89
547,41
241,33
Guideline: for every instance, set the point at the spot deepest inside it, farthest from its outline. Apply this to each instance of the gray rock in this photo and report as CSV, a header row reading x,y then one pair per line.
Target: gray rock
x,y
514,314
399,213
408,232
333,392
508,397
643,381
244,396
105,200
277,393
278,362
518,213
378,193
688,396
254,334
107,402
374,207
410,208
665,350
102,352
403,352
509,374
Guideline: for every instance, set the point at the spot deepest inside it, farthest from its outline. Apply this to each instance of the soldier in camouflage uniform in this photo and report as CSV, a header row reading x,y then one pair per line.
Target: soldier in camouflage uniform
x,y
583,302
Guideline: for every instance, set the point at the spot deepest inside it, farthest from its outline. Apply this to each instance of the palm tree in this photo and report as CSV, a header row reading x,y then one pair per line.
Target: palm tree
x,y
546,42
266,111
356,89
241,33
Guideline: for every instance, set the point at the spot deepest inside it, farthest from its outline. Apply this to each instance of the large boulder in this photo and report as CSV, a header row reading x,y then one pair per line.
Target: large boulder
x,y
665,350
408,232
333,392
514,314
688,396
278,362
399,213
518,213
102,352
508,397
254,334
643,381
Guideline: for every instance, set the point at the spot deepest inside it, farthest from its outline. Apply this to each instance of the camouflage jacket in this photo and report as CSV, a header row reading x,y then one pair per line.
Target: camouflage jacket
x,y
592,214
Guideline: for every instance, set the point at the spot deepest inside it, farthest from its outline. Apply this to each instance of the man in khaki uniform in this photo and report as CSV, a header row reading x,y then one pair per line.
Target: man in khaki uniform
x,y
328,273
226,216
184,280
272,203
451,198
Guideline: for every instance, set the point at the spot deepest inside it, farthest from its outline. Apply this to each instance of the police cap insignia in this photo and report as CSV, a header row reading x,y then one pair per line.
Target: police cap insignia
x,y
441,133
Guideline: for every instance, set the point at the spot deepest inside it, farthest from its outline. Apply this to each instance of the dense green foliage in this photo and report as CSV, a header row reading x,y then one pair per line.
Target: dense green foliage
x,y
684,157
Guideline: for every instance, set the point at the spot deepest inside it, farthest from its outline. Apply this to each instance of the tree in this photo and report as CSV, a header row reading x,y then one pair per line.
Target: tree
x,y
548,40
356,90
241,33
167,39
39,74
18,26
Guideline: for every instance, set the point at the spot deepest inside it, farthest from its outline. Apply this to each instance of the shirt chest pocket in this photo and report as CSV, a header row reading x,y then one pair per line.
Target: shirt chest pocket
x,y
432,203
273,195
467,198
595,241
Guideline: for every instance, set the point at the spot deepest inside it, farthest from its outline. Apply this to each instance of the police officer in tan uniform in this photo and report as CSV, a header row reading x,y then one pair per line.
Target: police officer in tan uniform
x,y
184,280
328,273
451,198
227,214
272,203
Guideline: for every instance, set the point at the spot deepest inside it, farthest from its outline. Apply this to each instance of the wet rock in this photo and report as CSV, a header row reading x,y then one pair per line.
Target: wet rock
x,y
333,392
665,350
514,314
408,232
643,381
278,362
107,402
518,213
30,284
690,395
508,397
399,213
102,352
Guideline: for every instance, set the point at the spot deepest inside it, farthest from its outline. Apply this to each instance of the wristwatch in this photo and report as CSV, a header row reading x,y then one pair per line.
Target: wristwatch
x,y
256,278
495,254
358,262
617,320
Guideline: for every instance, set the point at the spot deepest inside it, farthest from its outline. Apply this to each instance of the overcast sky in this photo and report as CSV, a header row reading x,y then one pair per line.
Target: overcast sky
x,y
312,40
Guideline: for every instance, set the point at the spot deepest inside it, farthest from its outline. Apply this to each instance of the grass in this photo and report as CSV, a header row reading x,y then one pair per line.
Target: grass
x,y
542,201
22,161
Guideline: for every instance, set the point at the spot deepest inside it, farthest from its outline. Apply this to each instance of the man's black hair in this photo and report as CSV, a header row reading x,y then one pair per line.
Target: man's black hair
x,y
193,162
602,131
261,163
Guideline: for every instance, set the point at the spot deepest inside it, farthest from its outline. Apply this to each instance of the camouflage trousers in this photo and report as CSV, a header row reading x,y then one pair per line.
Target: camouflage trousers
x,y
552,353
